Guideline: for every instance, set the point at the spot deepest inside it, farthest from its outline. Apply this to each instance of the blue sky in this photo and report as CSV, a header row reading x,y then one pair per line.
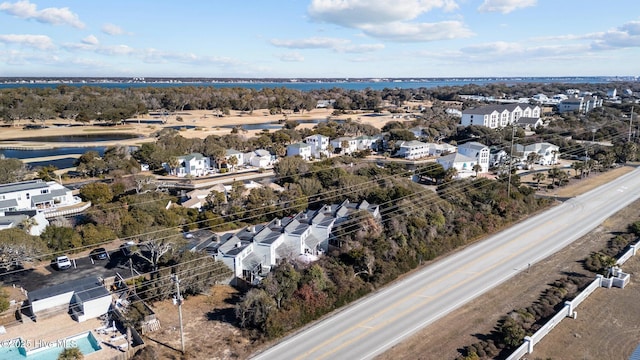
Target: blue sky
x,y
319,38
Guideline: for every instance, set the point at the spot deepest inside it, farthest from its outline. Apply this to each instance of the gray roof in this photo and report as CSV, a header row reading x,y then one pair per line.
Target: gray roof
x,y
456,157
59,192
196,156
12,219
528,120
251,261
37,199
488,109
312,241
9,203
472,145
20,186
86,288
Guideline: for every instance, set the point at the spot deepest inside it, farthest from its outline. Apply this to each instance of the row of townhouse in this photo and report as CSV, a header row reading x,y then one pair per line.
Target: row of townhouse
x,y
196,164
318,146
31,202
253,251
499,116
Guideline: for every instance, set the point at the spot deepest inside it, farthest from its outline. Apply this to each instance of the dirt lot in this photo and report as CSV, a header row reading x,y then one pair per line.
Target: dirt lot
x,y
608,322
209,335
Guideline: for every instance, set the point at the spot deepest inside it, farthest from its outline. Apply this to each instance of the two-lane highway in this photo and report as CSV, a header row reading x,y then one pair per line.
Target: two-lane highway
x,y
377,322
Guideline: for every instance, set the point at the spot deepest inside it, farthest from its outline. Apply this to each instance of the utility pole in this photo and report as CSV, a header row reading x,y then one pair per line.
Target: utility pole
x,y
513,136
175,279
630,122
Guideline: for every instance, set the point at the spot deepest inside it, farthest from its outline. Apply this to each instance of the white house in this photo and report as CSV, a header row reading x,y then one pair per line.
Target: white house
x,y
364,142
319,145
414,149
530,123
462,163
300,149
259,158
478,151
547,153
498,116
234,153
34,221
347,145
84,298
582,104
441,149
194,164
35,195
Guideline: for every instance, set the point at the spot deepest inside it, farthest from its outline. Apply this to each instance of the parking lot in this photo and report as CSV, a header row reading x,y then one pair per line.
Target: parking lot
x,y
32,278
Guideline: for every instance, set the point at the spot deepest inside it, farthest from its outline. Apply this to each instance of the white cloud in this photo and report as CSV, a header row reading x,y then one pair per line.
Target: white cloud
x,y
626,36
410,32
291,57
355,13
42,42
116,50
310,43
154,56
111,29
90,40
390,20
359,49
337,45
55,16
505,6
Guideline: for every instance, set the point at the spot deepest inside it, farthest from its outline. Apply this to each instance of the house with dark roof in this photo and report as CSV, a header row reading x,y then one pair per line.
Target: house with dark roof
x,y
85,298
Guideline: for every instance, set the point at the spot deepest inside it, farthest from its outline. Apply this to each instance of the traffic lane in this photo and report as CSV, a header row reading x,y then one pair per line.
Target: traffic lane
x,y
541,235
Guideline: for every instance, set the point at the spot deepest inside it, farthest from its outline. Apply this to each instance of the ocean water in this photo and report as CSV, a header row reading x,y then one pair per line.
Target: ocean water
x,y
320,84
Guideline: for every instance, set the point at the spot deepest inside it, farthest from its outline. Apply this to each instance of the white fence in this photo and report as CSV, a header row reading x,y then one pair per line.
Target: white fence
x,y
569,307
65,212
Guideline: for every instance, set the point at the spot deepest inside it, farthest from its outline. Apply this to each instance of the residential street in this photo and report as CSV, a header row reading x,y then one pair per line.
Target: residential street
x,y
376,323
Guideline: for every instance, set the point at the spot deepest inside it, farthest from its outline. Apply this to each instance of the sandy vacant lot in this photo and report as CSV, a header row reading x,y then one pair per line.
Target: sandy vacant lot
x,y
196,124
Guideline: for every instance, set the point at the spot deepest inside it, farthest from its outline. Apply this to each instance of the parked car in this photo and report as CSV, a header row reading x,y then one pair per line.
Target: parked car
x,y
62,262
99,254
188,235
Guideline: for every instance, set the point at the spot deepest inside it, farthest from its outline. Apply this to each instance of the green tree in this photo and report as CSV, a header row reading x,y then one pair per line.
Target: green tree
x,y
71,353
538,177
233,161
47,173
97,193
12,170
477,168
18,246
60,238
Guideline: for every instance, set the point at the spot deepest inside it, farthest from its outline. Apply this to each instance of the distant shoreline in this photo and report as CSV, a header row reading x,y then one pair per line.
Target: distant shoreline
x,y
304,84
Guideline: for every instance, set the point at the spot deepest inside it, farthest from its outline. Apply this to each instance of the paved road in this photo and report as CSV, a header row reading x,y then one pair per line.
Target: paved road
x,y
374,324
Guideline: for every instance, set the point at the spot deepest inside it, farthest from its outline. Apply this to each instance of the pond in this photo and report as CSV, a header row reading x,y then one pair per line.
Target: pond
x,y
78,138
260,126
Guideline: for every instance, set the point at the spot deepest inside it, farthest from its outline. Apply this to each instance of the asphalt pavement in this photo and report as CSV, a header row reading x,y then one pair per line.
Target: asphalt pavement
x,y
374,324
